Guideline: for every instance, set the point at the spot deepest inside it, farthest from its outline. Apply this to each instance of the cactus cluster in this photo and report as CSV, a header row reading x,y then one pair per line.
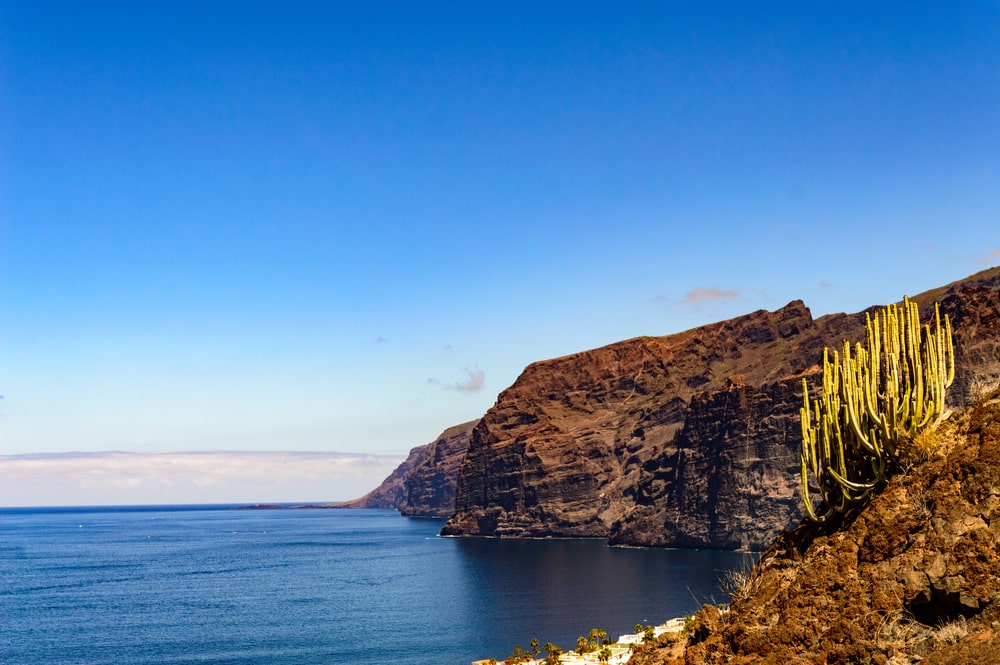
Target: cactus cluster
x,y
875,398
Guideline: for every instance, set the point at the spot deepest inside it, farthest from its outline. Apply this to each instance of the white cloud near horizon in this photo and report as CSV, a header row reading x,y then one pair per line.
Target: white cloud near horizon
x,y
122,478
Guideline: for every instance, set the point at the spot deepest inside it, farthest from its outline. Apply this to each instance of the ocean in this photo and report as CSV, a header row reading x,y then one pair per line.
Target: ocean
x,y
210,584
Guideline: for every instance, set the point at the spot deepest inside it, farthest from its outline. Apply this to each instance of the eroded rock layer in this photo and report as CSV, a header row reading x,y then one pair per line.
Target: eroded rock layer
x,y
429,488
687,440
595,444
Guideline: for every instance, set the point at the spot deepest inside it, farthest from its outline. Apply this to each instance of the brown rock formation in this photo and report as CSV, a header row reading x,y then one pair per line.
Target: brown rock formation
x,y
580,444
688,440
912,576
729,478
424,484
429,488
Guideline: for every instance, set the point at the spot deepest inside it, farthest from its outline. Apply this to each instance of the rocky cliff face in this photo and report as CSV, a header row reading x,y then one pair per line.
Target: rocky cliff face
x,y
974,308
734,465
424,484
688,440
429,487
605,442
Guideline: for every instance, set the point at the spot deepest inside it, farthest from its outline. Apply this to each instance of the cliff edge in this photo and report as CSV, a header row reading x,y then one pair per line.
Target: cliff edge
x,y
687,440
423,485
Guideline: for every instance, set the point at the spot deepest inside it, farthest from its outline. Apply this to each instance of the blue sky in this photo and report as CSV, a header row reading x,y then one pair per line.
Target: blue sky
x,y
344,227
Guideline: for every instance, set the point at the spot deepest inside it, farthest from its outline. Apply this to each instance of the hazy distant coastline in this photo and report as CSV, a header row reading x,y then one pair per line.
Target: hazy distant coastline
x,y
232,477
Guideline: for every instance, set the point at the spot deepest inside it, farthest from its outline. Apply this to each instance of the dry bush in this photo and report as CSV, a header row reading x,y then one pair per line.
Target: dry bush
x,y
741,583
906,640
951,632
899,632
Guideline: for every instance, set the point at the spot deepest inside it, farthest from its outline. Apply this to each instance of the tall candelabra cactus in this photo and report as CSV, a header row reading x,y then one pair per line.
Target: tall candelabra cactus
x,y
874,400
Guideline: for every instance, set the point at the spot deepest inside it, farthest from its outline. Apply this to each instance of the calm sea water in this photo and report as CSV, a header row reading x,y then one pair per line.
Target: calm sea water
x,y
296,587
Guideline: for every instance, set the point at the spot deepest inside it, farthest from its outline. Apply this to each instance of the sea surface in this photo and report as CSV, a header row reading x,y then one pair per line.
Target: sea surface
x,y
210,584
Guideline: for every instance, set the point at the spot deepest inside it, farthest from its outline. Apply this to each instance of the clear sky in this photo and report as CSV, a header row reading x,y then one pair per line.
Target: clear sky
x,y
344,227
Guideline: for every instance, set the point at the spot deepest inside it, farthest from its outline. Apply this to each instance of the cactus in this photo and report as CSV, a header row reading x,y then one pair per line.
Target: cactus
x,y
875,399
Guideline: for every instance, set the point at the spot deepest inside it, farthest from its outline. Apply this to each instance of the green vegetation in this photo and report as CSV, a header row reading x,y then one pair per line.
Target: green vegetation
x,y
552,654
596,642
875,401
596,639
648,632
519,656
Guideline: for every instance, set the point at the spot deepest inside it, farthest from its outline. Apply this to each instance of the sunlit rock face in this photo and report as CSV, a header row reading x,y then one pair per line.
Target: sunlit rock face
x,y
686,440
630,440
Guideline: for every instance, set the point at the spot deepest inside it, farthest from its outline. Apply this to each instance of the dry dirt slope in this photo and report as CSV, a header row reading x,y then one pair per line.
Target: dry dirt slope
x,y
914,576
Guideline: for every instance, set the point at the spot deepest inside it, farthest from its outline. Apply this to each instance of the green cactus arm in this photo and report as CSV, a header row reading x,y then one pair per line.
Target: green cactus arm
x,y
873,396
806,496
950,351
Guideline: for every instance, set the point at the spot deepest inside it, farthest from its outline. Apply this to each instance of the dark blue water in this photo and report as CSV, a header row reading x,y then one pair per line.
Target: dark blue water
x,y
284,587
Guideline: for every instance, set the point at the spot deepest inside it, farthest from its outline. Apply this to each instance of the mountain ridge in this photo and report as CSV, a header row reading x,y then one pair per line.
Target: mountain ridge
x,y
684,440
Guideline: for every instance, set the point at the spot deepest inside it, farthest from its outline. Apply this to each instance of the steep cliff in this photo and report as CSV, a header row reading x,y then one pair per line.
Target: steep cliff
x,y
687,440
424,484
429,487
588,444
729,478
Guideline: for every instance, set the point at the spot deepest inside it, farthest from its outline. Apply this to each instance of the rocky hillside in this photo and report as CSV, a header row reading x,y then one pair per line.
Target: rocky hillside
x,y
430,485
688,440
424,484
597,443
913,576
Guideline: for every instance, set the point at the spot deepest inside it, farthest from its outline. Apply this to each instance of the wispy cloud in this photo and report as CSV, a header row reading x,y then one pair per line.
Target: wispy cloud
x,y
701,294
475,379
188,477
991,258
